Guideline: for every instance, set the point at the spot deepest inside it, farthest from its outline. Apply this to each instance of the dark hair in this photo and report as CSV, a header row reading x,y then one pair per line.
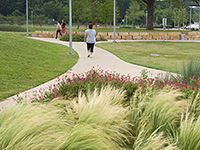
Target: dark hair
x,y
63,21
90,26
58,21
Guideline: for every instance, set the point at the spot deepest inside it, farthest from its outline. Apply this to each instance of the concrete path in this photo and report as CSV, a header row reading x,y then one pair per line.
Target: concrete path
x,y
101,60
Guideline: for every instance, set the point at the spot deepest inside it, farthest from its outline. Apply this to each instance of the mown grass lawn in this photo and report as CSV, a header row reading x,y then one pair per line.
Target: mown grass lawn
x,y
17,28
26,63
171,54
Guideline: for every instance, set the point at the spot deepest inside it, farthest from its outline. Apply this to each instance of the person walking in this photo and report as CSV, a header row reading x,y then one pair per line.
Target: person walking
x,y
58,29
63,24
90,39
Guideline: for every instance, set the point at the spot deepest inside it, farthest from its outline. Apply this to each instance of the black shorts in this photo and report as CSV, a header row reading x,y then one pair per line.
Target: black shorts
x,y
90,47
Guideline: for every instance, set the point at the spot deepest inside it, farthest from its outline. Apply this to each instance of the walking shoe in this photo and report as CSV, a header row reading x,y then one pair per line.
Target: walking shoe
x,y
88,55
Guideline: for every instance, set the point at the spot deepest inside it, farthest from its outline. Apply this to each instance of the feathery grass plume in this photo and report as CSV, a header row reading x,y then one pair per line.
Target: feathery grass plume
x,y
152,111
194,106
31,127
137,107
191,69
65,110
101,122
165,111
189,137
155,141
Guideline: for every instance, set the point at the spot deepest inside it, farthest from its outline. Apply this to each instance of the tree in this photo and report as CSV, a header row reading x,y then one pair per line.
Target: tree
x,y
11,20
52,10
179,16
168,13
105,11
2,19
94,11
158,14
18,17
123,5
134,12
80,10
150,8
40,19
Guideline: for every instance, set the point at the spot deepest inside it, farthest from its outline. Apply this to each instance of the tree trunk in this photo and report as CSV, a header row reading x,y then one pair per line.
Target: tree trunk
x,y
178,25
132,24
86,24
150,9
78,22
96,23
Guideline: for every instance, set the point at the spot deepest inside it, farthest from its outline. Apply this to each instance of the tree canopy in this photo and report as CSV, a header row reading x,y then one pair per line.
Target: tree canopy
x,y
99,11
150,8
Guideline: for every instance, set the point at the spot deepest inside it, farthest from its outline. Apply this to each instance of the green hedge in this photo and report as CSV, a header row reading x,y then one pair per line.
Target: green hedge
x,y
78,38
13,28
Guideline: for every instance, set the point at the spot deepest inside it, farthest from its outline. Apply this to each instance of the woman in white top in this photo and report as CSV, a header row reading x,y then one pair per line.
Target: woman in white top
x,y
90,39
58,30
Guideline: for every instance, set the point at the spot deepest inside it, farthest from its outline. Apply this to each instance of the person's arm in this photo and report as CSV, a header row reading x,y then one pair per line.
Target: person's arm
x,y
85,37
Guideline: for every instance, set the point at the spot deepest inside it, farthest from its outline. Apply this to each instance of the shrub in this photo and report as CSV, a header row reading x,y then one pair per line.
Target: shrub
x,y
78,38
65,37
102,39
70,88
13,28
2,18
75,37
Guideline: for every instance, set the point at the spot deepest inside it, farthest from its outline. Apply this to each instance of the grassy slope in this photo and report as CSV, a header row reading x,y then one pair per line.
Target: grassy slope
x,y
26,63
140,53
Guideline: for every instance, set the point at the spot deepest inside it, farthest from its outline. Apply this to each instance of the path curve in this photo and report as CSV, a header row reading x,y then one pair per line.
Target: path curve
x,y
102,59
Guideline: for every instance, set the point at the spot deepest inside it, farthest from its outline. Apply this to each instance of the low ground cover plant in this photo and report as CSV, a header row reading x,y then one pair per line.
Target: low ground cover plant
x,y
69,88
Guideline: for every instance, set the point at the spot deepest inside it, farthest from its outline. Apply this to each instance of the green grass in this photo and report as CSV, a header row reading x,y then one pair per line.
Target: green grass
x,y
140,53
26,63
17,28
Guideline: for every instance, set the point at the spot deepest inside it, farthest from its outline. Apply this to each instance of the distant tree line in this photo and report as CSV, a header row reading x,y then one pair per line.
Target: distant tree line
x,y
99,11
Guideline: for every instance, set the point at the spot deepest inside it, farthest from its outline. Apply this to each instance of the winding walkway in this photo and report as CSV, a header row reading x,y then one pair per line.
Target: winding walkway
x,y
101,59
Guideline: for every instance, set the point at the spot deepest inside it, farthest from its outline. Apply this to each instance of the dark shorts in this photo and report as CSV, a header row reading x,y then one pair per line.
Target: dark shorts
x,y
90,47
